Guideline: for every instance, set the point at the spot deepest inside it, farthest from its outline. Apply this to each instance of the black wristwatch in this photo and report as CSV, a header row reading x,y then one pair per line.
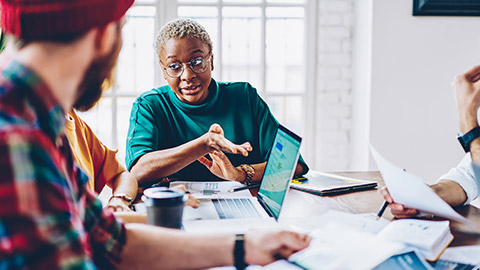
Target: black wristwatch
x,y
239,252
466,139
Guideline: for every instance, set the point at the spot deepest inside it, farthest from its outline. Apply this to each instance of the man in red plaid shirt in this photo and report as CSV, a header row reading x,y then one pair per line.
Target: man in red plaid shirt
x,y
65,50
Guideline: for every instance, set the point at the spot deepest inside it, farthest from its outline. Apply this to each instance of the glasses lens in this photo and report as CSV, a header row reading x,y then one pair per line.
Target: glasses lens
x,y
174,69
198,65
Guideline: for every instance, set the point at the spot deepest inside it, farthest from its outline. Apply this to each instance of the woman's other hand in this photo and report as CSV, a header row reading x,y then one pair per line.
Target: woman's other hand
x,y
221,166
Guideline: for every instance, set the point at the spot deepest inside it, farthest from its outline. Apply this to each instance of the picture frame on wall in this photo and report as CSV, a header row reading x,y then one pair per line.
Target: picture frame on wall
x,y
446,7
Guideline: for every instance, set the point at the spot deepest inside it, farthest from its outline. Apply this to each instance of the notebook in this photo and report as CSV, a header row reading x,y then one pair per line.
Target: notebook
x,y
430,238
279,171
321,183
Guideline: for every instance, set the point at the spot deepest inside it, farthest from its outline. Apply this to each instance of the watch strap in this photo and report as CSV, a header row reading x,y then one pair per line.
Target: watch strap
x,y
467,139
239,252
123,196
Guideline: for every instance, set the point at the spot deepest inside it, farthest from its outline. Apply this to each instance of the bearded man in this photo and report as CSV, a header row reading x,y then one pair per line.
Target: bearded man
x,y
49,218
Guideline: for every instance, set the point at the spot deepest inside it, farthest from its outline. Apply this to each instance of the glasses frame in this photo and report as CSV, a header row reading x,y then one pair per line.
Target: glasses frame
x,y
189,64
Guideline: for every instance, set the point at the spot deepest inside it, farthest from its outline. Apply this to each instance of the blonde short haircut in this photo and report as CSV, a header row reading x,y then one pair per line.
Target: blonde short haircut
x,y
182,28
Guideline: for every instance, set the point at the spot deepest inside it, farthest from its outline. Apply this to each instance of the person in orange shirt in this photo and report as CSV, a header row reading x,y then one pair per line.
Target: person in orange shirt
x,y
100,164
102,167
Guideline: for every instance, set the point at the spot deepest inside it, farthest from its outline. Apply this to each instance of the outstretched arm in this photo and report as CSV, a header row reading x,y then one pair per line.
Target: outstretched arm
x,y
123,184
156,248
162,163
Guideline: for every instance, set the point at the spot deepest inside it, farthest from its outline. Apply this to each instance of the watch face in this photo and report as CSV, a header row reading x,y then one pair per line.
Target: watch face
x,y
248,169
239,237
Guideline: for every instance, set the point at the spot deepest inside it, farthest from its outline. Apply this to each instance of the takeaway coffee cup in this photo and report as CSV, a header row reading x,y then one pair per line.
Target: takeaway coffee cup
x,y
164,206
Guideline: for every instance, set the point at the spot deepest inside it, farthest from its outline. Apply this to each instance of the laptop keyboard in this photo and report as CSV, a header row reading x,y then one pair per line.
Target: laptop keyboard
x,y
235,208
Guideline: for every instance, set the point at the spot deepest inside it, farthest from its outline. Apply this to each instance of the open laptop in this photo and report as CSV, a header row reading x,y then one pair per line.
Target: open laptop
x,y
279,171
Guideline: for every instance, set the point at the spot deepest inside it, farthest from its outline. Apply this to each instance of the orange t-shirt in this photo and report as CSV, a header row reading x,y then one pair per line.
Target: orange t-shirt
x,y
97,161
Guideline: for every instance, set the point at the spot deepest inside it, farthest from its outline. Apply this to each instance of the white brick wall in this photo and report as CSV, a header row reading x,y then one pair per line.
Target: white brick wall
x,y
334,84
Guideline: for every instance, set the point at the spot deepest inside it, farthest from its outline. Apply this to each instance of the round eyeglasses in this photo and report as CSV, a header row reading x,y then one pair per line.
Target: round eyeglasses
x,y
197,65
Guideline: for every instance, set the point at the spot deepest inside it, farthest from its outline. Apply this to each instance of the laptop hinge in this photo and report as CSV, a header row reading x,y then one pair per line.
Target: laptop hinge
x,y
265,206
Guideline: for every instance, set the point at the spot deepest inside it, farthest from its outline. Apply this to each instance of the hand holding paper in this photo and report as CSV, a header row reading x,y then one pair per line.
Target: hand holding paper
x,y
411,191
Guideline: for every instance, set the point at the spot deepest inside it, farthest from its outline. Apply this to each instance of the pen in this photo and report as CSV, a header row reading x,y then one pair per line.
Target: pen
x,y
299,180
380,213
243,188
384,206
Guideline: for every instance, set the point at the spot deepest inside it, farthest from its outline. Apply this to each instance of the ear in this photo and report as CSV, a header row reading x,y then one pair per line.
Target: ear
x,y
105,38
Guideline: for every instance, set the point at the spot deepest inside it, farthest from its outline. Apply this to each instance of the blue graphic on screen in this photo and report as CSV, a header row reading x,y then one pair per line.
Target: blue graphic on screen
x,y
279,170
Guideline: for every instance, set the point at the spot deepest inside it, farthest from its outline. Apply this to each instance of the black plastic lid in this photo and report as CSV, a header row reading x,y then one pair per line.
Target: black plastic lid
x,y
162,196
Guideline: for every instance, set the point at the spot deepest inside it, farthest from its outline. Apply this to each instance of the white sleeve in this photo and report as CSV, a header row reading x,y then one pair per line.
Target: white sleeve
x,y
463,175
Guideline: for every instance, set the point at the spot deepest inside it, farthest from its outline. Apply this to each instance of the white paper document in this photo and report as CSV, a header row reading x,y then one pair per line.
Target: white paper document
x,y
363,222
210,190
339,247
463,254
411,191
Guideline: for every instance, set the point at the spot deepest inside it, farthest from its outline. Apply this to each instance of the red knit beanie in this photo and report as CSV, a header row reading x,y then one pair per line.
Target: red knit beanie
x,y
43,19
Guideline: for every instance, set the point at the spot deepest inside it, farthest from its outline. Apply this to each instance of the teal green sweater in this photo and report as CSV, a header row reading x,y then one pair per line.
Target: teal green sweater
x,y
159,120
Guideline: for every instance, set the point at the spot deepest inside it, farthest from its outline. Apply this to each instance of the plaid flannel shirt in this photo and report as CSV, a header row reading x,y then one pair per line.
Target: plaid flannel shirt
x,y
49,219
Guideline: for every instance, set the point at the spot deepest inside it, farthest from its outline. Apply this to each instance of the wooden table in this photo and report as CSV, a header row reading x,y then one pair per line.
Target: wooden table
x,y
301,204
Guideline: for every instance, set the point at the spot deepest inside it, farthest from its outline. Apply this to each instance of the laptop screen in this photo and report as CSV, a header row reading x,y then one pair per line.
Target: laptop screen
x,y
280,168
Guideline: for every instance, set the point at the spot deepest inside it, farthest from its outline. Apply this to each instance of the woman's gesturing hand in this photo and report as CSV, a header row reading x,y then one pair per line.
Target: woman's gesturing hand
x,y
215,140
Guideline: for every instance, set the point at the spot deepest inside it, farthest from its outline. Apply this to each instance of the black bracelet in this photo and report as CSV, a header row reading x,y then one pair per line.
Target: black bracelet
x,y
239,252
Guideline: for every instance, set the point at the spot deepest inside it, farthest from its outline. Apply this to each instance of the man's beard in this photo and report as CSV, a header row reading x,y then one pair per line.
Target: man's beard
x,y
98,76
